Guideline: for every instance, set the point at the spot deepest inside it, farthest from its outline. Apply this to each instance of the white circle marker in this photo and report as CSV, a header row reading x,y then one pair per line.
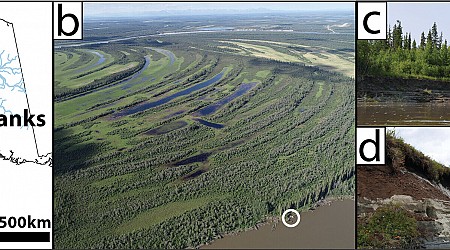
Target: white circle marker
x,y
284,215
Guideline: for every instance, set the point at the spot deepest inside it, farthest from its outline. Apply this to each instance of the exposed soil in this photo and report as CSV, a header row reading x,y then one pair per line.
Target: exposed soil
x,y
399,89
383,182
407,172
412,181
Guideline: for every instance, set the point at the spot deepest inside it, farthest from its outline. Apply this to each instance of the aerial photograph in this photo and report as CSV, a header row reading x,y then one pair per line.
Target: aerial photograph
x,y
406,203
206,125
405,79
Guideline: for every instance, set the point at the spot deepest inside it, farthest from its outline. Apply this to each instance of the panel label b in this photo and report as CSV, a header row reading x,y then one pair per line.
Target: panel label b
x,y
68,20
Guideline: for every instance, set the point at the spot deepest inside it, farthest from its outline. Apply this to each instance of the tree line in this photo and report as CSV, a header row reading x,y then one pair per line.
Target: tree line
x,y
401,56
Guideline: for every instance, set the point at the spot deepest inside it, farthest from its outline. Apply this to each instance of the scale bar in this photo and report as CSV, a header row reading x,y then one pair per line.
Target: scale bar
x,y
24,236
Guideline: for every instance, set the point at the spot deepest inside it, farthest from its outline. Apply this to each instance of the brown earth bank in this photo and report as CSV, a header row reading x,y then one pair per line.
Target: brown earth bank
x,y
370,88
382,182
407,172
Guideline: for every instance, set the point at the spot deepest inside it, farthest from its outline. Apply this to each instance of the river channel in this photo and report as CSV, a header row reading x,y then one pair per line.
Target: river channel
x,y
328,226
401,113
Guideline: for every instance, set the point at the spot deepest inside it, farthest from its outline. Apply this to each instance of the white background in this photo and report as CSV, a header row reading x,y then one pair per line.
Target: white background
x,y
363,134
375,22
27,189
68,23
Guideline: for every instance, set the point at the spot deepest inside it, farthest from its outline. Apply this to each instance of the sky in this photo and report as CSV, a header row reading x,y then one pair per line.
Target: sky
x,y
419,17
130,9
432,141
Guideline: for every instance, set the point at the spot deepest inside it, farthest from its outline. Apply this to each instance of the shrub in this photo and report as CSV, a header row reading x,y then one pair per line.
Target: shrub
x,y
388,227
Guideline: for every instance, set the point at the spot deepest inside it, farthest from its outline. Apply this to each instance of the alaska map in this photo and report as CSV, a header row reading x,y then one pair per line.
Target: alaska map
x,y
17,138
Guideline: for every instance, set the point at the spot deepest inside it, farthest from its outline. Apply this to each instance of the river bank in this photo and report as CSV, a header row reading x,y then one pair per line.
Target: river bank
x,y
333,219
388,89
398,101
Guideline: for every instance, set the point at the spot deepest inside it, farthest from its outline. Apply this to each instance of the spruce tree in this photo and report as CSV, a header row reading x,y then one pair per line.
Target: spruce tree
x,y
422,41
397,35
434,35
409,41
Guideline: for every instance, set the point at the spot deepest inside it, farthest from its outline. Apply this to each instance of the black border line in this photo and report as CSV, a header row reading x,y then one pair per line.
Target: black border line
x,y
25,87
82,20
356,125
52,237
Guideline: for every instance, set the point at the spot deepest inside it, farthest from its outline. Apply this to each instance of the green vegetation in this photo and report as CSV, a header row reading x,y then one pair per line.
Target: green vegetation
x,y
157,178
389,226
320,91
160,214
398,56
403,155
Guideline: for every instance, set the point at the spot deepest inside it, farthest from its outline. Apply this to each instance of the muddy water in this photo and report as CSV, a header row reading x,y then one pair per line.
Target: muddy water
x,y
399,113
329,226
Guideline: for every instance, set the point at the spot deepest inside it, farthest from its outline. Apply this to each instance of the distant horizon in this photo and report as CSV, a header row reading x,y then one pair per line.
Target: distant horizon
x,y
124,10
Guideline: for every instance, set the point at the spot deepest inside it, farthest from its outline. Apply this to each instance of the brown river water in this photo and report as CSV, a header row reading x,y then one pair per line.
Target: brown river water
x,y
400,113
328,226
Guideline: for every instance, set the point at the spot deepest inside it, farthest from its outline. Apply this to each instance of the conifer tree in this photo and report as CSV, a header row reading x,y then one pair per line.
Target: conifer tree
x,y
434,35
397,35
422,41
400,55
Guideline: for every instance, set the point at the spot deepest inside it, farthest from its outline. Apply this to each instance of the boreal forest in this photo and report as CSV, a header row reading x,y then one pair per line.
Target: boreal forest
x,y
401,56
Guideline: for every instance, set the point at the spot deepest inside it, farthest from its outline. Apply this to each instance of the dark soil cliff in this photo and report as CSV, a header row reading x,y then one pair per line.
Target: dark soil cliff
x,y
407,172
400,89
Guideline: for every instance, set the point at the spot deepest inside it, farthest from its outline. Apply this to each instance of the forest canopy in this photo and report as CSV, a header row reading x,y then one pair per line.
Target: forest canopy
x,y
399,56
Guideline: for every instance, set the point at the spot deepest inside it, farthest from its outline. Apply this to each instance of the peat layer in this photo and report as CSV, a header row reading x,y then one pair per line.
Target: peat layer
x,y
371,88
